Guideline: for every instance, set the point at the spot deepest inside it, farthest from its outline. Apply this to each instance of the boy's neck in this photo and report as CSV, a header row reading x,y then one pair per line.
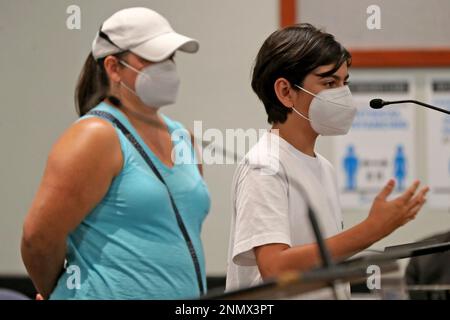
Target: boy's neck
x,y
302,140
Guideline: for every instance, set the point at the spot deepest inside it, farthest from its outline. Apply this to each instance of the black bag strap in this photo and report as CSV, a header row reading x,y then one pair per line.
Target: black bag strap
x,y
149,162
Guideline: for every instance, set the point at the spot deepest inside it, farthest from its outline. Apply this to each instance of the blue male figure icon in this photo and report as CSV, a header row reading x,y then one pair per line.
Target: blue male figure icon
x,y
351,163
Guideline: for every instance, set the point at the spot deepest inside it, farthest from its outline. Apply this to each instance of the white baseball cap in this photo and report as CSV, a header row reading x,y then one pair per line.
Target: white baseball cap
x,y
143,32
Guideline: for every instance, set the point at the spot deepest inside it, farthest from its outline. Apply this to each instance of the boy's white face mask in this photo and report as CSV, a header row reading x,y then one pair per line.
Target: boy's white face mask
x,y
331,111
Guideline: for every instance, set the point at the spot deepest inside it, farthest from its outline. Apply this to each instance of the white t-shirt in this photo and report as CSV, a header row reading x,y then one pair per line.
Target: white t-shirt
x,y
269,189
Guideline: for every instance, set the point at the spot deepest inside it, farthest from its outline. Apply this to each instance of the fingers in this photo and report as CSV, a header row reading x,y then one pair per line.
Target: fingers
x,y
420,197
413,212
417,205
408,194
387,190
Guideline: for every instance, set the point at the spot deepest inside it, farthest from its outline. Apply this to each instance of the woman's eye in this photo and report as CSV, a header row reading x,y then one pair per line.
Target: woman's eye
x,y
330,84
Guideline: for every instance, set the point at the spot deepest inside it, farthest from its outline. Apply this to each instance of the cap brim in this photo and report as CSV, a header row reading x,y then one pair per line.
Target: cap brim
x,y
163,46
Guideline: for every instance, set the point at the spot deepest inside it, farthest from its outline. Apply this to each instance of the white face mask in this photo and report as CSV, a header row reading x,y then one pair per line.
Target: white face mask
x,y
156,85
331,111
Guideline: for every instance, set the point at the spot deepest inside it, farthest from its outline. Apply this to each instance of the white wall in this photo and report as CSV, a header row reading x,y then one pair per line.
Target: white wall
x,y
404,23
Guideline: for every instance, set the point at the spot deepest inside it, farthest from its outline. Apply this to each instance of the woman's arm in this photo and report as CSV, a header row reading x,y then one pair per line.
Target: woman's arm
x,y
79,171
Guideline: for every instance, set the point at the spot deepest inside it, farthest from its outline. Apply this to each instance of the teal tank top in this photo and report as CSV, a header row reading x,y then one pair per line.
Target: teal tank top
x,y
130,245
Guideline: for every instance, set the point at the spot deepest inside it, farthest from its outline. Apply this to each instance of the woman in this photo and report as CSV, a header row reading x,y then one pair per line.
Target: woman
x,y
301,76
116,215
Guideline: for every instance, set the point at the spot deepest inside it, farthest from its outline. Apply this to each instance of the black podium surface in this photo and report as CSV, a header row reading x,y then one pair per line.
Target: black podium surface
x,y
352,270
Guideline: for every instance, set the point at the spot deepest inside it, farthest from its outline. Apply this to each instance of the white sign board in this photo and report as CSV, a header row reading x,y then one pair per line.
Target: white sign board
x,y
438,143
380,144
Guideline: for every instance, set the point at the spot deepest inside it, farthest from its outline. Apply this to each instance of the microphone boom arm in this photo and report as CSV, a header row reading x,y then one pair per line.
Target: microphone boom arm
x,y
417,102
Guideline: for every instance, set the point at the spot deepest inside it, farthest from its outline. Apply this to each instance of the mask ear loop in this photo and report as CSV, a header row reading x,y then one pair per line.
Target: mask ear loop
x,y
298,112
129,66
127,87
133,68
123,83
309,92
301,115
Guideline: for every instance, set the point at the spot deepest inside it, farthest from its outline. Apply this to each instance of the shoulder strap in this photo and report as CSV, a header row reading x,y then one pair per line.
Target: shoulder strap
x,y
140,149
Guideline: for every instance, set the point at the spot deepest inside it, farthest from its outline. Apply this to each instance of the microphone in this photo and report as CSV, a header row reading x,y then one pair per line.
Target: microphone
x,y
380,103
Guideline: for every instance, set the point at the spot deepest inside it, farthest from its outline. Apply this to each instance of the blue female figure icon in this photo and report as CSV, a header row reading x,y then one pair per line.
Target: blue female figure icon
x,y
400,167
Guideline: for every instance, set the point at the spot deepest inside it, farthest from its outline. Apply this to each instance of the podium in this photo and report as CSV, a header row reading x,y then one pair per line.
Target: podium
x,y
402,251
352,271
429,292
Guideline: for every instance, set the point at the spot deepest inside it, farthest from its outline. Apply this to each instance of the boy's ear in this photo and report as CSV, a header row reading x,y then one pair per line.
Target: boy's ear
x,y
284,92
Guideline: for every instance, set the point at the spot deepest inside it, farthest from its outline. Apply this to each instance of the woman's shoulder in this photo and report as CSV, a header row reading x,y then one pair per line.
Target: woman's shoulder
x,y
92,134
94,126
87,143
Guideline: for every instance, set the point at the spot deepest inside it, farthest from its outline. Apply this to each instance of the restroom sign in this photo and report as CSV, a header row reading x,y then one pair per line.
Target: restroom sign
x,y
438,143
380,144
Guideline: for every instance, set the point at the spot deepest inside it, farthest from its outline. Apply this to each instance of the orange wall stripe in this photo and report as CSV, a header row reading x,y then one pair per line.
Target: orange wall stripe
x,y
288,12
402,58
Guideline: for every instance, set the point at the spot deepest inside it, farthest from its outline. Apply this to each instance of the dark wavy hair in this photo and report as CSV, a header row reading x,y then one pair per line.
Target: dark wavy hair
x,y
292,53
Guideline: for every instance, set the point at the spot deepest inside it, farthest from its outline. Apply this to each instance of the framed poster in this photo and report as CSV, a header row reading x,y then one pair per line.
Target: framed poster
x,y
438,142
